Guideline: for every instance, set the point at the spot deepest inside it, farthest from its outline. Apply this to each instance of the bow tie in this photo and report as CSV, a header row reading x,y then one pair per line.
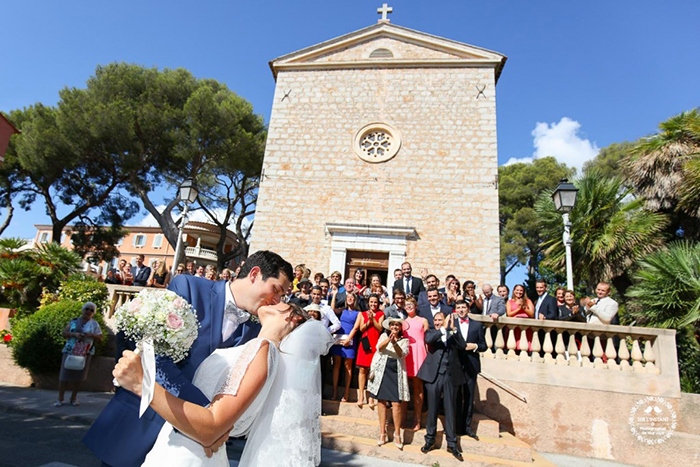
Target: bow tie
x,y
464,320
236,315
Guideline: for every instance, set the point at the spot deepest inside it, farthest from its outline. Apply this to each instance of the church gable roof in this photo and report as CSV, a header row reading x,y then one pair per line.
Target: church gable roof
x,y
388,45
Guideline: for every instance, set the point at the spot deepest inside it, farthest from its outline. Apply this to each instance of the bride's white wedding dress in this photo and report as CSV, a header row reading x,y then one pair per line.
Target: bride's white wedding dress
x,y
220,373
287,430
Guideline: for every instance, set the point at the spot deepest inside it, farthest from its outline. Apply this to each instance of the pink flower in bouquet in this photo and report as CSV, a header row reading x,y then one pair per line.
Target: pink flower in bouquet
x,y
174,321
135,305
180,303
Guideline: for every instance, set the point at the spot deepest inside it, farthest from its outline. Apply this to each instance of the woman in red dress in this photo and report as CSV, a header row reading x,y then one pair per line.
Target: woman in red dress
x,y
369,324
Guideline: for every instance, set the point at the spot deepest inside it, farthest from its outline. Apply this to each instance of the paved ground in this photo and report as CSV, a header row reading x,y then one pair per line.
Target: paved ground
x,y
34,433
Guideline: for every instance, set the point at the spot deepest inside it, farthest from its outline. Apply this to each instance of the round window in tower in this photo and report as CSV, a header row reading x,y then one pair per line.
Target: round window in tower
x,y
377,142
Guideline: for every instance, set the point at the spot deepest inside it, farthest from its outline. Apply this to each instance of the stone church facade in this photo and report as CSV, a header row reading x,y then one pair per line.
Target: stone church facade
x,y
382,148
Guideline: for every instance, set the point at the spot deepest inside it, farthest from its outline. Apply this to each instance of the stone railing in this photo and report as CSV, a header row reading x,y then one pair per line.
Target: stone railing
x,y
595,356
199,252
118,295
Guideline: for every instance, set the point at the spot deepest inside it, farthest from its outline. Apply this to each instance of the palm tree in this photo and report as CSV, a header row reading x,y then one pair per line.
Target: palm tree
x,y
658,166
666,290
610,230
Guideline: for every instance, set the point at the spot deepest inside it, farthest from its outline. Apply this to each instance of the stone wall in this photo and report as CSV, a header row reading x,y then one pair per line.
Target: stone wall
x,y
441,182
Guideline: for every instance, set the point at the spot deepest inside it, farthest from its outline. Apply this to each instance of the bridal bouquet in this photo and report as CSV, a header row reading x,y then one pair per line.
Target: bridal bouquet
x,y
162,323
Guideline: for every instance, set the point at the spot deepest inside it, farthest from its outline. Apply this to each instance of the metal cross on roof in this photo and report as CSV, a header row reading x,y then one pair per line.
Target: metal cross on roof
x,y
384,10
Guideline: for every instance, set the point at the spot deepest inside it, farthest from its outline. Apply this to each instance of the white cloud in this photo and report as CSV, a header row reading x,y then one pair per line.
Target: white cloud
x,y
561,141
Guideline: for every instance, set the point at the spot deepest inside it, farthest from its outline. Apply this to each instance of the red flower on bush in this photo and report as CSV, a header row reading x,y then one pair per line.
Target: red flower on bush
x,y
7,337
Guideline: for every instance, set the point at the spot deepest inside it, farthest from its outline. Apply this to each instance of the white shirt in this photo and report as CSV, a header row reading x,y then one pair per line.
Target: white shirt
x,y
435,310
443,336
463,328
330,320
487,305
230,323
540,299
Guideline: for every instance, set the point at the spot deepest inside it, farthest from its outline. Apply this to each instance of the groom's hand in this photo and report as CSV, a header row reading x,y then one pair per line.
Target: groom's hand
x,y
210,450
129,372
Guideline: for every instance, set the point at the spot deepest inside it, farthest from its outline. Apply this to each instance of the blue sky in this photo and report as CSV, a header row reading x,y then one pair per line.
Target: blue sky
x,y
579,76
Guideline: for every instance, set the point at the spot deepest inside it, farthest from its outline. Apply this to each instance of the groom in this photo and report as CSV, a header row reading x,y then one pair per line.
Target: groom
x,y
227,313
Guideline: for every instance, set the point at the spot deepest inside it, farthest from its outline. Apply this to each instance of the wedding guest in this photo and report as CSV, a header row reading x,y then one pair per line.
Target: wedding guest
x,y
325,288
199,272
317,278
389,381
226,275
398,274
472,299
452,292
409,284
432,282
602,309
160,277
112,277
443,377
335,283
434,306
369,328
81,334
299,271
559,295
180,269
520,306
569,310
303,296
314,312
375,287
360,277
398,308
470,341
345,349
330,320
190,268
546,305
492,305
503,292
210,273
415,332
141,272
127,276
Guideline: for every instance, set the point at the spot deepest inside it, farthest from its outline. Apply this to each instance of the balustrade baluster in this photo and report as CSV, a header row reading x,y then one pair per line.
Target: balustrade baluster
x,y
650,358
548,348
611,354
524,344
637,356
598,353
624,354
536,347
585,352
511,345
489,343
573,351
560,348
500,343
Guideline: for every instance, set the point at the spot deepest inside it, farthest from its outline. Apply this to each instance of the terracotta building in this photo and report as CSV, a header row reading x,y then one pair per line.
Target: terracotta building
x,y
200,239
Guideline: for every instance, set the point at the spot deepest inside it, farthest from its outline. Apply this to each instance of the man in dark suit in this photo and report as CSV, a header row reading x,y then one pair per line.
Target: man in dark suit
x,y
470,341
141,272
442,375
546,306
398,308
227,314
433,307
432,282
409,284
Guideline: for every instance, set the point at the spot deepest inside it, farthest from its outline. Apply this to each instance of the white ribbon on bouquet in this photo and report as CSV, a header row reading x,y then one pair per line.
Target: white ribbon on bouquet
x,y
148,363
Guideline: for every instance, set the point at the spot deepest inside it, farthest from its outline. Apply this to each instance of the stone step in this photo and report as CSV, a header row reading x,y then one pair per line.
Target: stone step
x,y
412,454
481,424
508,447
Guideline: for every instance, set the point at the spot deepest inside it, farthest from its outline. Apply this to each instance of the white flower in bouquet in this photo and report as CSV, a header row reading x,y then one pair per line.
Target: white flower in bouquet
x,y
162,316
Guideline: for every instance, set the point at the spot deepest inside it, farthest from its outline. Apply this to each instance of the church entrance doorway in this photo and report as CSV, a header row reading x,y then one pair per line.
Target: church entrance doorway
x,y
373,262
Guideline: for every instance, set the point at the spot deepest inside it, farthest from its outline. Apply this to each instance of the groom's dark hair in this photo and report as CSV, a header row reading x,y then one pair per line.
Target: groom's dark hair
x,y
271,265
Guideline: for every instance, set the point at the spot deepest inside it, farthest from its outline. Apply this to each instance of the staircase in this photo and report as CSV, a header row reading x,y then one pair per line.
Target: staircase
x,y
346,427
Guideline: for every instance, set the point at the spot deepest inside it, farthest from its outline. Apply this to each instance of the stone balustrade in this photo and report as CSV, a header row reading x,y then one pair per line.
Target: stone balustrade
x,y
118,295
202,253
595,356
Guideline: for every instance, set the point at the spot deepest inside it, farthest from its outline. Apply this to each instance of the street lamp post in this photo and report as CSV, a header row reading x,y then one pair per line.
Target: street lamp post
x,y
188,194
564,198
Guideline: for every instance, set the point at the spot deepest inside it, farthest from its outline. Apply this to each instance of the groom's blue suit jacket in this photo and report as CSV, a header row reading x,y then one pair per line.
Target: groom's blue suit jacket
x,y
119,437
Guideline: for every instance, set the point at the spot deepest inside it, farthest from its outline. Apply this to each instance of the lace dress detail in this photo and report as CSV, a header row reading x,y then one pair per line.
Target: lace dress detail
x,y
221,373
287,432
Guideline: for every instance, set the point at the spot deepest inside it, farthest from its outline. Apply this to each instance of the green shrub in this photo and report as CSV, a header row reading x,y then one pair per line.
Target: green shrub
x,y
37,339
81,288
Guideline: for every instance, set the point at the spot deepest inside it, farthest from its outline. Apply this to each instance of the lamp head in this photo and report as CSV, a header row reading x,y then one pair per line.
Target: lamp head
x,y
564,196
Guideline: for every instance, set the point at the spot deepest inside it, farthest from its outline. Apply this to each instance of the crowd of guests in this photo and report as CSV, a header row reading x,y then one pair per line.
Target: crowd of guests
x,y
416,342
159,275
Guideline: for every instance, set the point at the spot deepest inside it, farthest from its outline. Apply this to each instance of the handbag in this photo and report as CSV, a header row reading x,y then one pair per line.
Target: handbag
x,y
74,362
366,346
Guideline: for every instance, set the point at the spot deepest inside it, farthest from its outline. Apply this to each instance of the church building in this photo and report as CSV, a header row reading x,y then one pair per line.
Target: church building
x,y
382,149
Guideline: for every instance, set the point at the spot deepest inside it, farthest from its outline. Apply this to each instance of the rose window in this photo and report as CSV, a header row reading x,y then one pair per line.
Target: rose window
x,y
377,143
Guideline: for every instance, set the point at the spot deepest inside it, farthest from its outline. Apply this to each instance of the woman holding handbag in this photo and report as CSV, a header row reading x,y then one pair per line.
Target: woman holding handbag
x,y
81,333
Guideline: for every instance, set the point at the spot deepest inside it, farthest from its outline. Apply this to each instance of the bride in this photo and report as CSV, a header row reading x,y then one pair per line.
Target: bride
x,y
237,380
